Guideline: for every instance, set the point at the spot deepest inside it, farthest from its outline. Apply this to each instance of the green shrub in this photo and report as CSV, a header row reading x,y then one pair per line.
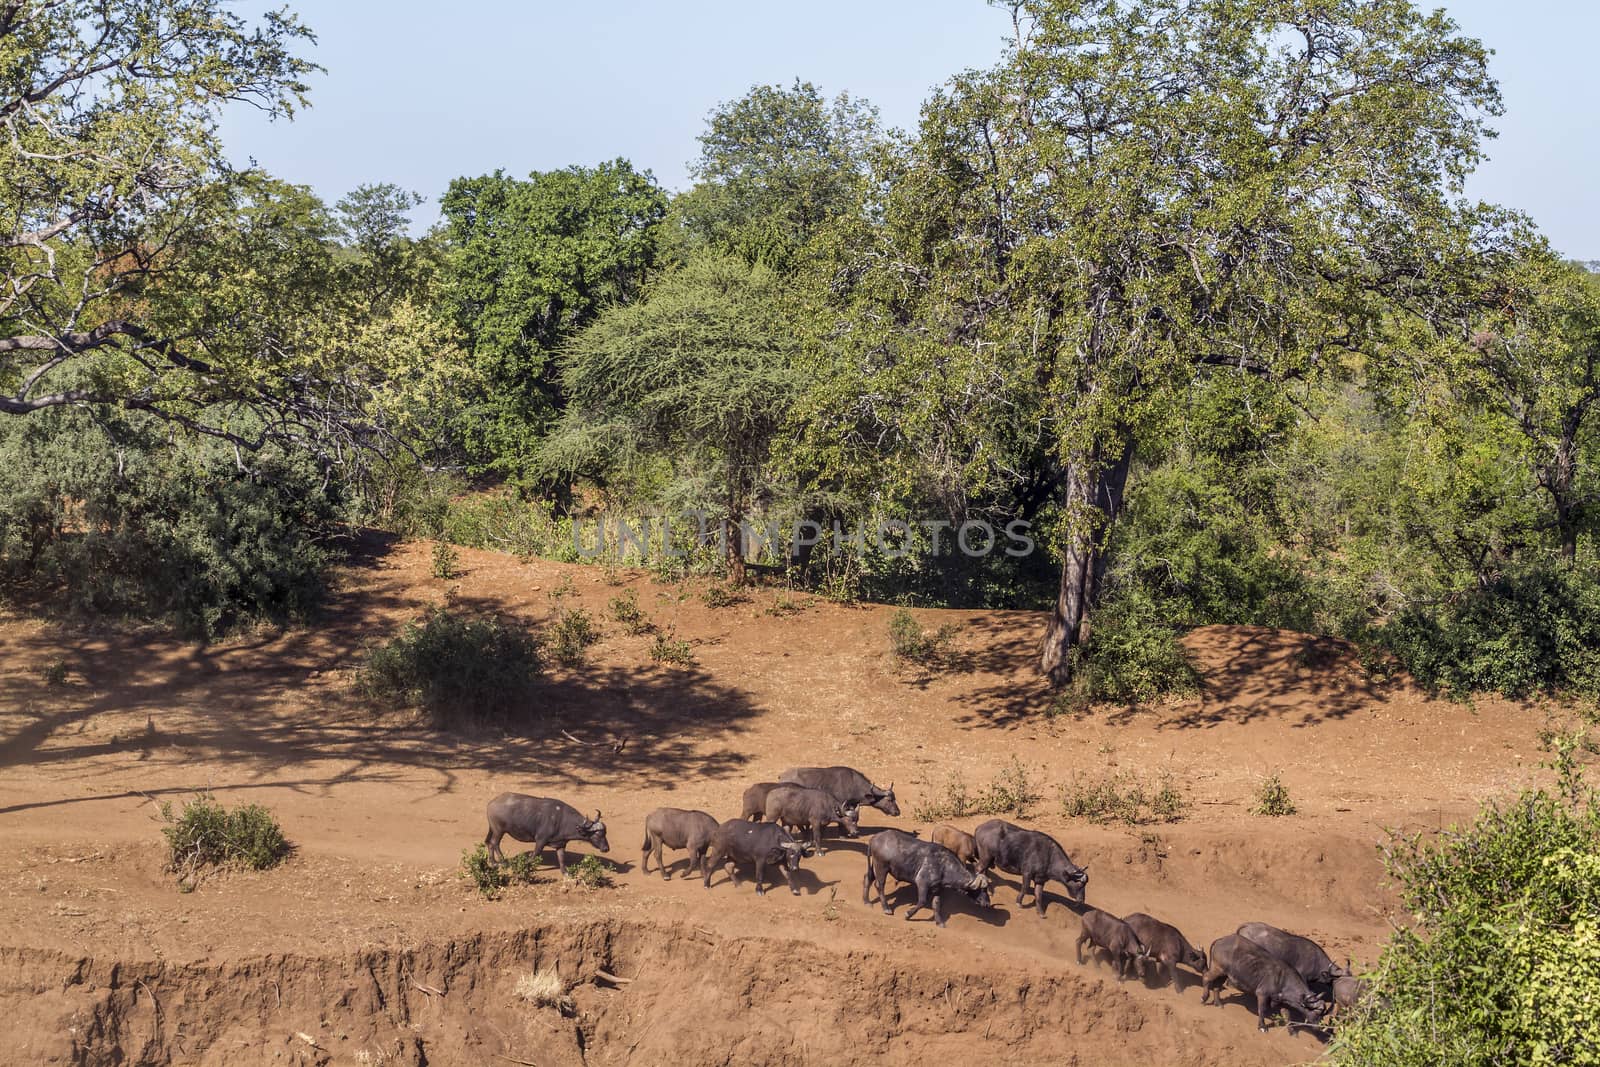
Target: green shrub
x,y
507,522
446,560
1272,798
667,649
115,517
783,604
570,636
1010,792
454,667
912,644
1535,631
206,834
1503,964
55,672
1125,798
590,872
626,611
1130,656
489,877
722,595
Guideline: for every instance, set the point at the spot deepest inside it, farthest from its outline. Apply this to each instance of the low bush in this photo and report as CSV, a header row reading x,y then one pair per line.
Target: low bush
x,y
590,872
207,834
454,667
668,649
1010,792
722,595
1502,965
626,611
545,989
490,878
1131,656
569,637
1125,798
1529,632
913,644
446,560
1272,798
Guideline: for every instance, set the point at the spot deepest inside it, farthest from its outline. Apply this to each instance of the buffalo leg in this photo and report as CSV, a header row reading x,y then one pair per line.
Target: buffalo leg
x,y
1079,947
866,883
492,839
712,861
1039,897
883,890
761,875
561,855
922,902
1262,1000
788,876
938,909
1022,890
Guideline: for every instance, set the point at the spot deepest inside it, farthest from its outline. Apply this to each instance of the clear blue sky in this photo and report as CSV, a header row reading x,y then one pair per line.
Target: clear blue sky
x,y
419,93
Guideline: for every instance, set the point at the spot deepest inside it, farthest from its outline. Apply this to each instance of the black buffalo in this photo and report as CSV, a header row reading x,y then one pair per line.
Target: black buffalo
x,y
541,821
1166,944
1035,856
1303,954
848,786
931,868
1273,983
677,828
761,844
799,807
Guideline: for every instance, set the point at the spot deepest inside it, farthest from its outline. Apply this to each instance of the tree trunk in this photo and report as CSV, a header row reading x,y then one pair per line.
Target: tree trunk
x,y
1094,491
733,537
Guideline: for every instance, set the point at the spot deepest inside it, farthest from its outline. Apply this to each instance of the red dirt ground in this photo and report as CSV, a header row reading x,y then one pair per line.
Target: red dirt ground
x,y
366,947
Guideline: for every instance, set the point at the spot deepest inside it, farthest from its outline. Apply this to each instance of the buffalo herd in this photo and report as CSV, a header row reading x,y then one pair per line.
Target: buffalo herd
x,y
782,822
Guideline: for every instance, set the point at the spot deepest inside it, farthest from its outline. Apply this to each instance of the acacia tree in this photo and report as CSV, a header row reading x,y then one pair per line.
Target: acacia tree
x,y
115,179
701,372
1138,194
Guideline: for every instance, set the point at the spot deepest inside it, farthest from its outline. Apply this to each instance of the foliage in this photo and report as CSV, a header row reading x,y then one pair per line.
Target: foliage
x,y
446,560
1526,632
454,667
569,637
1125,798
911,643
721,595
532,262
669,649
699,375
490,878
625,609
1272,798
1503,964
1131,655
115,518
505,521
775,167
1010,792
207,834
591,873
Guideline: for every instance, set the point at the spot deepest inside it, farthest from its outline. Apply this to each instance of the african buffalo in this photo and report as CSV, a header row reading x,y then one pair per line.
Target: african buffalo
x,y
677,828
1104,930
1166,944
963,844
755,800
541,821
755,843
798,807
1303,954
848,786
1035,856
930,867
1273,983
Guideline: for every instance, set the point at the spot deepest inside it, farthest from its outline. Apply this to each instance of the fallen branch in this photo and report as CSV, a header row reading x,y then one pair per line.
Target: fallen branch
x,y
513,1059
428,989
613,979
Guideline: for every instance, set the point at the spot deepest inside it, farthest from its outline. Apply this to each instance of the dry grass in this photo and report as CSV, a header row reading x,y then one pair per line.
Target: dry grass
x,y
544,989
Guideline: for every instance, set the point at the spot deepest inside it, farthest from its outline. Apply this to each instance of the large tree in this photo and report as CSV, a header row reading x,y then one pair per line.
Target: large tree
x,y
1141,193
114,180
533,261
701,372
775,167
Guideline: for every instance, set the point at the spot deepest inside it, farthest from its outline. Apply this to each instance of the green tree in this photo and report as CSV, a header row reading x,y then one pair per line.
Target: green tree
x,y
531,263
701,372
114,179
1140,196
776,166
